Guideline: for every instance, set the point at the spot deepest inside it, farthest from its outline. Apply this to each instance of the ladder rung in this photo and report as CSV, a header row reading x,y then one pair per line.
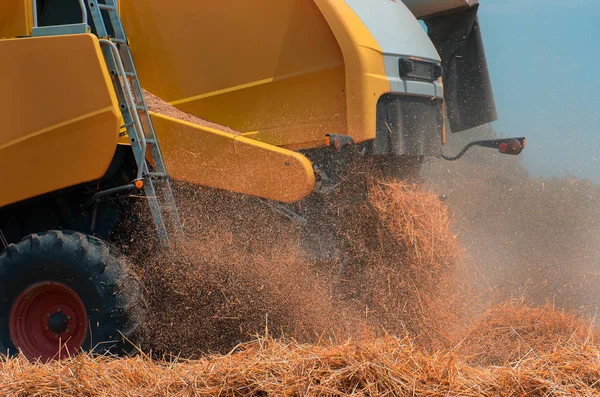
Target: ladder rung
x,y
118,41
104,7
128,125
151,140
141,107
157,175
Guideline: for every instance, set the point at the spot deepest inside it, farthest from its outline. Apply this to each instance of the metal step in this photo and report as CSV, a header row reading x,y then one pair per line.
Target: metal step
x,y
138,123
106,7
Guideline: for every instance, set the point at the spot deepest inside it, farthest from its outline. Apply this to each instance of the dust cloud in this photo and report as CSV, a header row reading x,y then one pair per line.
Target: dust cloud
x,y
413,264
242,274
531,238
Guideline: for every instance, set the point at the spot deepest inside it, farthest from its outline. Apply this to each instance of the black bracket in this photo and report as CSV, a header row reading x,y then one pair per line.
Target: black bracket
x,y
105,194
513,146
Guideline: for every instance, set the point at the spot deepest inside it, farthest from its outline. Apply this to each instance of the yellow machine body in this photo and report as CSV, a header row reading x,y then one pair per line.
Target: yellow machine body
x,y
61,122
59,116
15,18
283,73
286,77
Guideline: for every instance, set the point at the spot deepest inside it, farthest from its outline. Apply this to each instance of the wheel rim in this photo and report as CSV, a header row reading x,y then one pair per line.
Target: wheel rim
x,y
48,321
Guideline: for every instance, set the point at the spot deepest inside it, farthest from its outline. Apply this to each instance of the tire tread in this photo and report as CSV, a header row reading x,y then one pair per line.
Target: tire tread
x,y
117,287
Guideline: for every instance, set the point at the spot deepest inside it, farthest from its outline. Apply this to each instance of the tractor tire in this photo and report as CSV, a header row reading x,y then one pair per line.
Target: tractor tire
x,y
66,292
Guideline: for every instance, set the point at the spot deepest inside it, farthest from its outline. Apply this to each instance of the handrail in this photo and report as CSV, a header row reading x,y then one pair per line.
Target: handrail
x,y
128,92
84,18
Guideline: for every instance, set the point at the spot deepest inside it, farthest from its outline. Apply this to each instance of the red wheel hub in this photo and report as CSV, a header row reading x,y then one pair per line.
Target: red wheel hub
x,y
48,321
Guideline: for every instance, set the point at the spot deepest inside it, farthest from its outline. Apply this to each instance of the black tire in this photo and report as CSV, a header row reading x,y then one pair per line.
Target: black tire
x,y
109,291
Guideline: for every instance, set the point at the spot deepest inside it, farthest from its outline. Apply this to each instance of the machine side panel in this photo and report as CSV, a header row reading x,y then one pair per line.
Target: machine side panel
x,y
366,78
208,157
15,18
59,118
272,70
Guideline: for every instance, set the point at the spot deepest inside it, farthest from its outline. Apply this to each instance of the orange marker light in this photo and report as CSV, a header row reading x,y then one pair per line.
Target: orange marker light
x,y
327,141
139,184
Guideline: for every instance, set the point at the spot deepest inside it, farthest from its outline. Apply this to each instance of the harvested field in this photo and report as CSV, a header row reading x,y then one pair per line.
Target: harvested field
x,y
376,367
428,346
511,331
510,350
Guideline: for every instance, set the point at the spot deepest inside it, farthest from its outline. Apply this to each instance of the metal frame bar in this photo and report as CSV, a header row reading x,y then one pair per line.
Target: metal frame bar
x,y
491,144
35,13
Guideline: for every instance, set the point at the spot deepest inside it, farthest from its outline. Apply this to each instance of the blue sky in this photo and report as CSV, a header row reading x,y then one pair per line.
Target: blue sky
x,y
544,59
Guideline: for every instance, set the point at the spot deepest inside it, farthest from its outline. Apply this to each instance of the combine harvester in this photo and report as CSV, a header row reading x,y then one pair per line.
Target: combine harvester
x,y
310,85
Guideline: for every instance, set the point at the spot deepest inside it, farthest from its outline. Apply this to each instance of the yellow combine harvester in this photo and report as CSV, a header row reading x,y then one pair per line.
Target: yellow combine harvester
x,y
311,86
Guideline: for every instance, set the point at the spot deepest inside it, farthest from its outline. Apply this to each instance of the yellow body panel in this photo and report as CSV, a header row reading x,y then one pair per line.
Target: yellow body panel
x,y
15,18
277,76
59,118
366,79
209,157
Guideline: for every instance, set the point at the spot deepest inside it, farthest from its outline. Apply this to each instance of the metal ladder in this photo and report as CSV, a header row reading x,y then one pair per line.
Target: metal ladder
x,y
140,129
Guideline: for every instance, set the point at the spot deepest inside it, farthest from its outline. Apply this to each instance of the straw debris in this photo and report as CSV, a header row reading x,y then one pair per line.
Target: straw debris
x,y
512,331
383,366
